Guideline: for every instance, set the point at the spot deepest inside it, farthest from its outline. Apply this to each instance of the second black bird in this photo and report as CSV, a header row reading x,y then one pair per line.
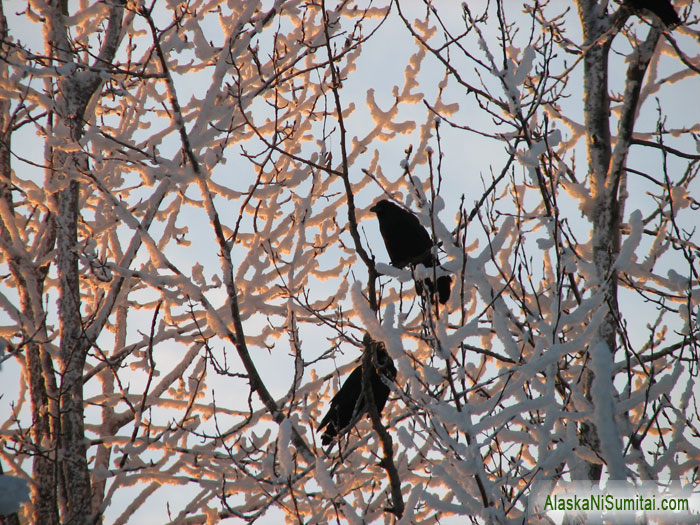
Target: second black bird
x,y
348,405
408,243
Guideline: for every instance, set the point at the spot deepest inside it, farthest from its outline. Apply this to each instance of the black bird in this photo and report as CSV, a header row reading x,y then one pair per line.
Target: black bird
x,y
661,8
409,243
348,405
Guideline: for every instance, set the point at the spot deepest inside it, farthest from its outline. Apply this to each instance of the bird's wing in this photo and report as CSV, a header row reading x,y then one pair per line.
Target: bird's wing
x,y
343,402
407,242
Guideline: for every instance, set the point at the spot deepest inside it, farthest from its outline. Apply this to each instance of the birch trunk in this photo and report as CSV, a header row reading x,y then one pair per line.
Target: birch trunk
x,y
605,214
606,169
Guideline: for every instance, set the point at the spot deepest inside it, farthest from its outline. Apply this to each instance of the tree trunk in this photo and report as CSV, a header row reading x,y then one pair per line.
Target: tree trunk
x,y
72,351
605,216
29,281
606,169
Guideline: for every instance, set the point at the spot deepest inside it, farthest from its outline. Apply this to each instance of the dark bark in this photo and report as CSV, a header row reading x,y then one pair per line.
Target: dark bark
x,y
28,279
73,95
72,351
387,461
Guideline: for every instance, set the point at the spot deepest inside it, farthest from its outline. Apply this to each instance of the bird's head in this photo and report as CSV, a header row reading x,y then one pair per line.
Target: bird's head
x,y
385,363
382,206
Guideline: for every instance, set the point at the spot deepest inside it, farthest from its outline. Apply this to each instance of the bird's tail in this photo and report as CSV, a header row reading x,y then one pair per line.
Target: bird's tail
x,y
444,282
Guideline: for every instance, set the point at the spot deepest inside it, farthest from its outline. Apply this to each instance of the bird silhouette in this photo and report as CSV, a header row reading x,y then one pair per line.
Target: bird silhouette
x,y
408,243
349,405
661,8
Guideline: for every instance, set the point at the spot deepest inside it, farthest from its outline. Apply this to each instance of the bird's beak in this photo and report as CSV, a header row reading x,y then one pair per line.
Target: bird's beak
x,y
373,208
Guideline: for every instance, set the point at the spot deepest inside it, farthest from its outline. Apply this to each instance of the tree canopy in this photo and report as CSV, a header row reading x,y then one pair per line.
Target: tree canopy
x,y
190,266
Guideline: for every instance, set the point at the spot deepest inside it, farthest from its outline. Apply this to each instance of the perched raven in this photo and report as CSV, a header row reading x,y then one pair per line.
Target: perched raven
x,y
661,8
409,243
348,405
